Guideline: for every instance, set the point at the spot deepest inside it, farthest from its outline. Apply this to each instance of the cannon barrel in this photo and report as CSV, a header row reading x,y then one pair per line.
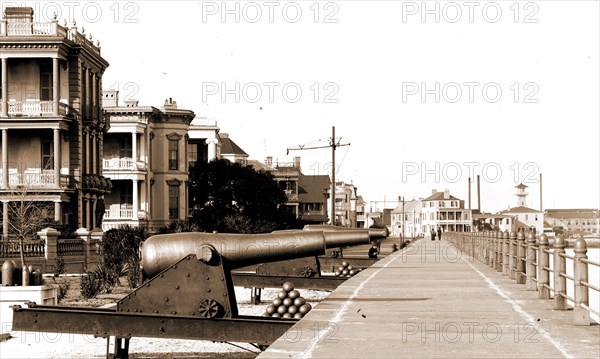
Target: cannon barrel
x,y
335,238
161,251
374,233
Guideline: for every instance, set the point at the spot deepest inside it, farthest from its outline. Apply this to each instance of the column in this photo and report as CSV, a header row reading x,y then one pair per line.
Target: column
x,y
5,183
57,157
84,100
135,200
94,155
4,87
134,153
93,103
55,87
212,149
5,220
91,213
86,143
58,211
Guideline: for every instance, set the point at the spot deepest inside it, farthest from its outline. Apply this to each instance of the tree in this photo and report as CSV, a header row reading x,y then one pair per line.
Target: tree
x,y
27,217
228,197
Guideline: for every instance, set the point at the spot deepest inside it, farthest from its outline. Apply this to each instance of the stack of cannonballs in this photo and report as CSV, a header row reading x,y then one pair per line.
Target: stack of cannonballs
x,y
346,270
288,304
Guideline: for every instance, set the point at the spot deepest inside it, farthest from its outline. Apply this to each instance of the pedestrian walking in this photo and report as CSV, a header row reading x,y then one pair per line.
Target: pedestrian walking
x,y
439,234
432,234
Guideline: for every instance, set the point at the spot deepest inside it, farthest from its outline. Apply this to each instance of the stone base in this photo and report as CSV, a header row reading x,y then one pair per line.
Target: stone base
x,y
18,295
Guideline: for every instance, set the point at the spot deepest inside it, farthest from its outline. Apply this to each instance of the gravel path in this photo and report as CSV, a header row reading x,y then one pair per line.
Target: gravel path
x,y
54,345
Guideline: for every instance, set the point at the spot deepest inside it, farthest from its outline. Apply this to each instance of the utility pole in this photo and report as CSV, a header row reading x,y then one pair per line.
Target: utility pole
x,y
333,143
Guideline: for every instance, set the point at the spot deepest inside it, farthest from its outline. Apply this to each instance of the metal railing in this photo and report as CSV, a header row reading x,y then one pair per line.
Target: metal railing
x,y
526,260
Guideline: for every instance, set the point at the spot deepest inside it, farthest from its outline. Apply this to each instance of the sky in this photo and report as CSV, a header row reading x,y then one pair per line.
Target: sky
x,y
426,94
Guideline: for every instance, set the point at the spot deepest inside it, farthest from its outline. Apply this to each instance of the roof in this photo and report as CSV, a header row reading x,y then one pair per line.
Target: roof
x,y
259,165
312,189
228,147
438,196
573,213
521,209
521,185
491,215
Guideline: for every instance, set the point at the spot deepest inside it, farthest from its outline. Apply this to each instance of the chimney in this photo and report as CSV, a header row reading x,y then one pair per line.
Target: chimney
x,y
541,207
110,98
297,162
269,161
478,193
223,135
469,193
132,103
19,15
446,193
170,104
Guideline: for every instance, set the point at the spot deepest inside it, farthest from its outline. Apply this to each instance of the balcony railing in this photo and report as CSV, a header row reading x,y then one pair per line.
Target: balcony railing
x,y
118,214
123,164
34,108
26,179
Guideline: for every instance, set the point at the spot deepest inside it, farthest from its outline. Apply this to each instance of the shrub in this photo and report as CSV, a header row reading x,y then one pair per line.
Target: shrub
x,y
120,254
59,267
63,288
91,285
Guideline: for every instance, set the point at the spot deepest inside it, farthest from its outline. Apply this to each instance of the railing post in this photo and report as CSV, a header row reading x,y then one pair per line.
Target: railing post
x,y
50,238
580,274
530,259
499,251
543,263
487,247
511,255
560,282
505,253
520,260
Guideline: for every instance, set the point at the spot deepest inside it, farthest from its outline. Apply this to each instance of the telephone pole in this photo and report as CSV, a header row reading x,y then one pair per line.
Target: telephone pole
x,y
333,143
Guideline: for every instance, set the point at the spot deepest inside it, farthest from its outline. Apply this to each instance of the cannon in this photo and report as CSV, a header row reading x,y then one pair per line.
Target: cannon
x,y
187,293
303,272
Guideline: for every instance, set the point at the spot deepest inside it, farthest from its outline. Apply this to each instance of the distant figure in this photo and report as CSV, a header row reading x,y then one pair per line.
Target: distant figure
x,y
439,234
432,234
373,251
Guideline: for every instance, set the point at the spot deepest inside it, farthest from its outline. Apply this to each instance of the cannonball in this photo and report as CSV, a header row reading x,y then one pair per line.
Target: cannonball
x,y
282,309
300,301
265,314
271,309
345,264
350,267
341,268
298,315
288,287
292,309
338,273
353,272
287,316
294,294
282,294
287,302
277,302
345,272
275,315
305,308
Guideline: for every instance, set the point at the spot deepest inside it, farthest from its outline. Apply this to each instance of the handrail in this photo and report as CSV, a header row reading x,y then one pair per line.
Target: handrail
x,y
526,259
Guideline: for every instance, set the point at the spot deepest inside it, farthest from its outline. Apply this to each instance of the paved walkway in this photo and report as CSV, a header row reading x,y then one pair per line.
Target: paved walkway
x,y
432,301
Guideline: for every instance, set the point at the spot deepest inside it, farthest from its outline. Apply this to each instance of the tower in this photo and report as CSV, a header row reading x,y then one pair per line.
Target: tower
x,y
521,195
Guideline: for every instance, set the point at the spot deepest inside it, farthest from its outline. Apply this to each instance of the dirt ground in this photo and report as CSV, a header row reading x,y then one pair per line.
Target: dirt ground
x,y
52,345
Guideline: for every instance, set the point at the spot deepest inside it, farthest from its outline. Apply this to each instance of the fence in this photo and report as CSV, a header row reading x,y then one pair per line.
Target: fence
x,y
78,253
526,259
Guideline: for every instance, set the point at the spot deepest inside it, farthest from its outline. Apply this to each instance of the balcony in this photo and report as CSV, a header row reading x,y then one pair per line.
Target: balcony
x,y
122,214
34,179
34,108
123,164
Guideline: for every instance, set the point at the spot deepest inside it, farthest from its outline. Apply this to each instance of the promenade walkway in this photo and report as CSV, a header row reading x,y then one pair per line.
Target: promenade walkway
x,y
431,300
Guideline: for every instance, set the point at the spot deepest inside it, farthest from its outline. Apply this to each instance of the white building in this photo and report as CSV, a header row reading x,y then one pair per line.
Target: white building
x,y
410,226
442,210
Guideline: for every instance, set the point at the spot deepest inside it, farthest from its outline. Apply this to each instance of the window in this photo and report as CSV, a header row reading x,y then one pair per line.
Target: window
x,y
173,202
173,154
47,155
126,198
46,82
192,154
125,150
